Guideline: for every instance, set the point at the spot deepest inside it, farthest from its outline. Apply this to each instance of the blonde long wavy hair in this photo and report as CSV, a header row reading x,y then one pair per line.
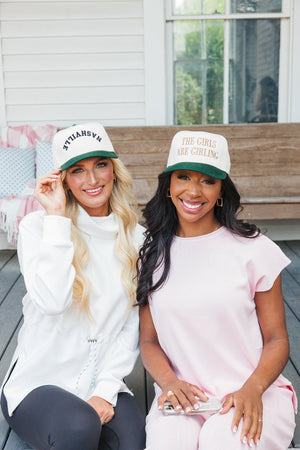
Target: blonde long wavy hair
x,y
122,203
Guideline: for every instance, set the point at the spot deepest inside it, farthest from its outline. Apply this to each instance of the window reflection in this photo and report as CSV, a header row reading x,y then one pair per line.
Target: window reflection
x,y
254,66
197,7
199,71
255,6
252,63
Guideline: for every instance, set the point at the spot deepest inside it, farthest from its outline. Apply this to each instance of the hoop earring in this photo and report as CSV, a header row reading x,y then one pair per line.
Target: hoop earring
x,y
168,194
220,202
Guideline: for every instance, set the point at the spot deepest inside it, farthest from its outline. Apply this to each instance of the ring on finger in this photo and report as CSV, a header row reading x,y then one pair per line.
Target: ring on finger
x,y
170,394
259,420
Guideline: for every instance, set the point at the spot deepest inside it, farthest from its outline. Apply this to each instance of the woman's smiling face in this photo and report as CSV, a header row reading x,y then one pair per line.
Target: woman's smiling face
x,y
91,181
194,196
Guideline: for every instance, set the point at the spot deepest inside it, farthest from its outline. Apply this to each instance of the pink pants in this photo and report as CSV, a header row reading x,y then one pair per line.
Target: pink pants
x,y
214,433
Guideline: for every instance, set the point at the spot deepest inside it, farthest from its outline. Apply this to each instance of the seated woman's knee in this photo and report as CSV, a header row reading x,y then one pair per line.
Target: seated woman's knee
x,y
82,429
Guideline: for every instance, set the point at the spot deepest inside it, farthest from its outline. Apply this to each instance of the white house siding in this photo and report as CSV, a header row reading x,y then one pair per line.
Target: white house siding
x,y
71,61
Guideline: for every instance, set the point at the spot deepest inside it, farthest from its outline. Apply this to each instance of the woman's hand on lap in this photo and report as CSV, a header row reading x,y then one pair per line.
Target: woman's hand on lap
x,y
181,395
104,409
248,406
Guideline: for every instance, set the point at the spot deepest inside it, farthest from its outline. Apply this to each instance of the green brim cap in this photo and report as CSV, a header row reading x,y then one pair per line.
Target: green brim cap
x,y
201,152
74,160
79,142
211,171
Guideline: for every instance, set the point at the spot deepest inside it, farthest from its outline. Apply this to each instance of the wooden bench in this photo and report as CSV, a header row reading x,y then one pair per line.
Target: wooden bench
x,y
265,163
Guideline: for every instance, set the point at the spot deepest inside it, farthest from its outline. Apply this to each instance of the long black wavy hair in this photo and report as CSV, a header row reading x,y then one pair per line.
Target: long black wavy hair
x,y
162,222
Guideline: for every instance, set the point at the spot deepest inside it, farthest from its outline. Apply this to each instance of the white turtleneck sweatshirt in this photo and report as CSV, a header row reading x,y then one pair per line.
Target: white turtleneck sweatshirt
x,y
58,343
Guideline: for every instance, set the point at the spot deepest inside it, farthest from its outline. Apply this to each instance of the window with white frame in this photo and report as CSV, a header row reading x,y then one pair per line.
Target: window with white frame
x,y
224,60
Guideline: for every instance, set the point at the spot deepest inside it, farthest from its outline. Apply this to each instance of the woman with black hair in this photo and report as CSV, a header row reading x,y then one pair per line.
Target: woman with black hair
x,y
212,323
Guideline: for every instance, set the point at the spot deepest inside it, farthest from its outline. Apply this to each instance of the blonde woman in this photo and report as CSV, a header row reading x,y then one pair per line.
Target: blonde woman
x,y
79,339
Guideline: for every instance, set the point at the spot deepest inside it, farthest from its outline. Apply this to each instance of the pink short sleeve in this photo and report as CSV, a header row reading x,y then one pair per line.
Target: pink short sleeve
x,y
266,262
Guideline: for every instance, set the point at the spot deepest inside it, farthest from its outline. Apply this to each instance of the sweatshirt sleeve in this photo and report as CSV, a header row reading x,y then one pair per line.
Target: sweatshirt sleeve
x,y
119,360
45,252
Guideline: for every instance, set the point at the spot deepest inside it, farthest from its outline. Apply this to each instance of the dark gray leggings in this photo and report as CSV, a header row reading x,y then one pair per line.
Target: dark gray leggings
x,y
52,418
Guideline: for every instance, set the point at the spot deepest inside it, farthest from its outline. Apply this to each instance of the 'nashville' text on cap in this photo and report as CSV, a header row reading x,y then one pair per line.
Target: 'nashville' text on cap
x,y
79,142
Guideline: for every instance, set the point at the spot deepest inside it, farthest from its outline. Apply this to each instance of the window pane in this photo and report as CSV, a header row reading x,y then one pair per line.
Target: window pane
x,y
258,6
198,71
194,7
254,67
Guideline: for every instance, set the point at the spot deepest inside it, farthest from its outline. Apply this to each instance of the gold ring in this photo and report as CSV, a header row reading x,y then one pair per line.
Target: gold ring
x,y
170,393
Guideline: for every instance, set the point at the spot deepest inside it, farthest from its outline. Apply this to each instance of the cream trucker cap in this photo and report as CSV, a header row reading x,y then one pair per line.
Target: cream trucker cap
x,y
199,151
78,142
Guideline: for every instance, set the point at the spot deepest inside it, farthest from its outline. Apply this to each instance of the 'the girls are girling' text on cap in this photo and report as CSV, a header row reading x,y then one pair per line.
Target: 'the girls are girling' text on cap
x,y
199,151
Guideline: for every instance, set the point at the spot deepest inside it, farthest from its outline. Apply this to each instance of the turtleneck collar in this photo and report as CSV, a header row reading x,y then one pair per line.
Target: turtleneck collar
x,y
105,227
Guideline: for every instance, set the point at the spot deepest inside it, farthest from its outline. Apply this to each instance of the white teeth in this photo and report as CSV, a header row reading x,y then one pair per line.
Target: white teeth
x,y
188,205
93,190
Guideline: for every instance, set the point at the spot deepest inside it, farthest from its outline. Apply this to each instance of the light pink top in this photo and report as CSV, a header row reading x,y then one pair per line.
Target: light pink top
x,y
205,314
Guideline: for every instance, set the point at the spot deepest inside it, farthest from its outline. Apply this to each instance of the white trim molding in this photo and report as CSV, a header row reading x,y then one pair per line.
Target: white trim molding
x,y
3,121
155,62
295,63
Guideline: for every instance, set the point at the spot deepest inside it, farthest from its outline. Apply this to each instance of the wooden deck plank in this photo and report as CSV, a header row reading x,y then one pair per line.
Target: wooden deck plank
x,y
4,431
291,374
293,331
15,443
294,246
8,353
292,252
9,272
5,256
8,276
11,312
291,291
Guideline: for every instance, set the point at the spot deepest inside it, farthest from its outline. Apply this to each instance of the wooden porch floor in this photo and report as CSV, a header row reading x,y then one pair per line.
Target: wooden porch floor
x,y
12,290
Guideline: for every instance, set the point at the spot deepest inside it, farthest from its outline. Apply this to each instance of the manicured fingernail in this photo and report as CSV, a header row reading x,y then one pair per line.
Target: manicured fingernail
x,y
160,407
196,406
234,429
178,407
220,410
188,409
251,443
257,443
244,440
